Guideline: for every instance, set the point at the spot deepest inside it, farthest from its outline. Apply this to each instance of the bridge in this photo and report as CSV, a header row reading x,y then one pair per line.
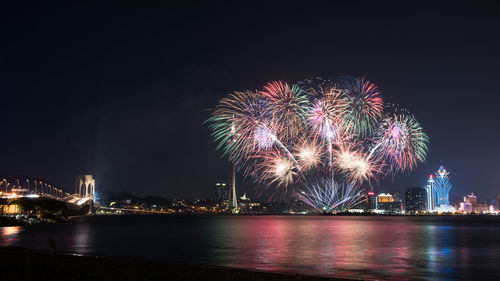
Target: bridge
x,y
30,189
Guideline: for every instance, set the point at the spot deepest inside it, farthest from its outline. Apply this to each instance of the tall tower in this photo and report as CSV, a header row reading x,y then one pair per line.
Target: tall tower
x,y
431,194
233,197
442,186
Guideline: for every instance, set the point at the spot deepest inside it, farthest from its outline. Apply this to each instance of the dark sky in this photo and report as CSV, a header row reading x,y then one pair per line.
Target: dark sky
x,y
122,90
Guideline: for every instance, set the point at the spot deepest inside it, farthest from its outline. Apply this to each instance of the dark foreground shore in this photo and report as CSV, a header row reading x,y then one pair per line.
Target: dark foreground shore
x,y
24,264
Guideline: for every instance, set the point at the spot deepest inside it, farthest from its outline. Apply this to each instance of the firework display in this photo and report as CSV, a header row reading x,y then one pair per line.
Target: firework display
x,y
320,141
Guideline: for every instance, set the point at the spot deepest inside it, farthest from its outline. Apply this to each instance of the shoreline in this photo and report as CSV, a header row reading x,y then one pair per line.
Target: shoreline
x,y
17,263
25,222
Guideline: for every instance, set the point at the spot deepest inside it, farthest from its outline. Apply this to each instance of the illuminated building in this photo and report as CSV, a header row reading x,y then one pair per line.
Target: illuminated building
x,y
415,200
442,186
246,206
471,199
10,209
385,198
470,205
371,201
431,194
391,207
244,197
234,201
465,207
221,191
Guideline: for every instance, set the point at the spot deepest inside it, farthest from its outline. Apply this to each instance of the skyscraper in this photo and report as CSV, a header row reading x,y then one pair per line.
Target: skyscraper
x,y
442,186
221,191
371,203
431,194
415,199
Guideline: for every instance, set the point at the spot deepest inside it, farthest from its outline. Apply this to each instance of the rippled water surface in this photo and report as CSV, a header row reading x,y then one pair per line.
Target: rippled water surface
x,y
361,247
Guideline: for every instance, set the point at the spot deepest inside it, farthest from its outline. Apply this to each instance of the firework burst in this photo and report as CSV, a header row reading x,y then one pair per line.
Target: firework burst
x,y
289,107
335,135
275,168
328,112
354,164
402,141
326,195
236,119
309,154
366,105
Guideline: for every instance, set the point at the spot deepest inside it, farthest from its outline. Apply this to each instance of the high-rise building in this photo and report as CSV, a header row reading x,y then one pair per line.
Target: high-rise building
x,y
415,200
442,186
396,195
221,191
431,194
371,201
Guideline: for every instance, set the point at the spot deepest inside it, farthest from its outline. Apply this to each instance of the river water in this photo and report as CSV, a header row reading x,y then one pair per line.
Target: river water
x,y
393,248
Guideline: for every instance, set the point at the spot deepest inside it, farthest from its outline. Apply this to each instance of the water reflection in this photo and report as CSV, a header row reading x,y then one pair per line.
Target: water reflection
x,y
392,248
362,247
9,235
81,239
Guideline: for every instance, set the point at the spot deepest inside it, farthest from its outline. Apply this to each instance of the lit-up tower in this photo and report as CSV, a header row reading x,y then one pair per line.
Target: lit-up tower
x,y
442,186
233,197
431,194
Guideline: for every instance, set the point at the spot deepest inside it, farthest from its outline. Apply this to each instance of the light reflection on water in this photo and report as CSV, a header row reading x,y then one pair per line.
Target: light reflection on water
x,y
362,247
8,235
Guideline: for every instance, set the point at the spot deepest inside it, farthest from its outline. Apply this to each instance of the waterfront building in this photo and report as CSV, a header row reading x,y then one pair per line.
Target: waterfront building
x,y
221,191
465,207
391,207
396,195
415,199
385,198
471,198
431,194
8,208
244,198
371,201
470,205
442,186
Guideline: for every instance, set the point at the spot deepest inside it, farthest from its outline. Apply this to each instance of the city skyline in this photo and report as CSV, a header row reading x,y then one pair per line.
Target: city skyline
x,y
238,140
131,112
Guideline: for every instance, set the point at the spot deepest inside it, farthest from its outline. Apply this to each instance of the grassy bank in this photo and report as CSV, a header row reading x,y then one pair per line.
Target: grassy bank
x,y
23,264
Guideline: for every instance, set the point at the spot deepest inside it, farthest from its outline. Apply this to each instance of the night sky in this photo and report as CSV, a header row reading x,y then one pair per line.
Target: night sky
x,y
122,91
